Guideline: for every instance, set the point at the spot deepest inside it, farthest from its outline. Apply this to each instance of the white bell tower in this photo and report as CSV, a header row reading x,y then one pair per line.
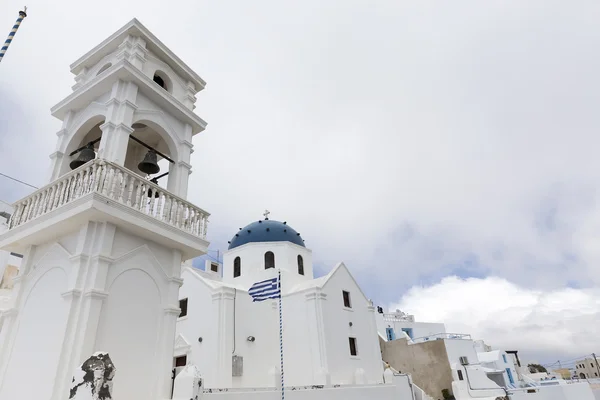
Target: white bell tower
x,y
103,242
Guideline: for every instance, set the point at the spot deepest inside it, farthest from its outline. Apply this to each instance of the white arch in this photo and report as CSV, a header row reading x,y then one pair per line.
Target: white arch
x,y
86,119
157,121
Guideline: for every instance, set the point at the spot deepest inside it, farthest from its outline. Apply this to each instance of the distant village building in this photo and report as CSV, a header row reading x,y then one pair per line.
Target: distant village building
x,y
587,368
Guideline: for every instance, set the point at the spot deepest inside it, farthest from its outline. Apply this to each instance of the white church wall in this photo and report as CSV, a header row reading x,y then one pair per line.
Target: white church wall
x,y
198,323
398,390
252,257
337,318
130,323
175,85
260,320
144,103
37,338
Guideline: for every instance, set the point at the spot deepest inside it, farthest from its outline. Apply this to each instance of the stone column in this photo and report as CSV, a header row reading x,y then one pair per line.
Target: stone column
x,y
90,266
119,117
166,337
316,331
223,301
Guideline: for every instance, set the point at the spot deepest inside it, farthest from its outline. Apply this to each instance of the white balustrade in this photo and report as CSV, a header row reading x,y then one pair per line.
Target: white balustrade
x,y
116,183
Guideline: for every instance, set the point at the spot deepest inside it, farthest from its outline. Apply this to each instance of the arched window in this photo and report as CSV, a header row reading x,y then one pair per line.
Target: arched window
x,y
237,267
269,260
107,66
300,265
160,81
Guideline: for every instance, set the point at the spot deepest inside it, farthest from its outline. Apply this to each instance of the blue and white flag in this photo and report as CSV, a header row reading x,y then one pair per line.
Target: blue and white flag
x,y
264,290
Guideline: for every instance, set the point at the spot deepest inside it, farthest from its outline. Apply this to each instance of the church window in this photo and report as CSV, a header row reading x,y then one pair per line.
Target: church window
x,y
237,267
300,265
159,81
353,351
346,296
180,361
183,303
460,375
269,260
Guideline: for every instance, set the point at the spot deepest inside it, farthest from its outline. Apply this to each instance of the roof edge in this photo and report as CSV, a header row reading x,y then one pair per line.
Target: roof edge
x,y
135,26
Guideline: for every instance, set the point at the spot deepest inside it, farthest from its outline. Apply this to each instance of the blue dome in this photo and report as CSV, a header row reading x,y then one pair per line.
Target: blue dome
x,y
266,231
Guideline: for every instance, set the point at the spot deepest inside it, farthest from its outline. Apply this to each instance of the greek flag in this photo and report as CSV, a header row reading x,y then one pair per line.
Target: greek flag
x,y
264,290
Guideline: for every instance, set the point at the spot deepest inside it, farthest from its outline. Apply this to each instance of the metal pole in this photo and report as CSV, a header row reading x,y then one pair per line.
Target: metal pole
x,y
595,359
11,35
281,336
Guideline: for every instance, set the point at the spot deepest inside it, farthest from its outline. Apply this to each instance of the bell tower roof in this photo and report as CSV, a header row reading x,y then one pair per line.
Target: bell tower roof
x,y
153,44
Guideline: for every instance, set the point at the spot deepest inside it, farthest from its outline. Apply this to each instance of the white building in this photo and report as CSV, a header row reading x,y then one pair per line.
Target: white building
x,y
102,244
499,365
393,325
587,368
330,334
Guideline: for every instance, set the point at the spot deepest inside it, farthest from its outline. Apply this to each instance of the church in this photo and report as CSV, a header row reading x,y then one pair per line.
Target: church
x,y
98,304
330,333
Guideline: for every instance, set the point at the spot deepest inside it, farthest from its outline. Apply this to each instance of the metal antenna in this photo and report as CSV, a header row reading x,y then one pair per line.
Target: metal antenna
x,y
11,35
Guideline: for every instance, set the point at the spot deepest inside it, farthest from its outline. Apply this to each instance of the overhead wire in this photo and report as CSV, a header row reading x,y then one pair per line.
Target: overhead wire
x,y
17,180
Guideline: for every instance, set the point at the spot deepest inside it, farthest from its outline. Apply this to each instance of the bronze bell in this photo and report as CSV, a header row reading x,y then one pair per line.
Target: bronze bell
x,y
155,181
149,164
85,155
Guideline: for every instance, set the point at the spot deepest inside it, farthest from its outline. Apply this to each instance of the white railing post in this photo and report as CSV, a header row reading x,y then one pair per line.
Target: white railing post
x,y
119,184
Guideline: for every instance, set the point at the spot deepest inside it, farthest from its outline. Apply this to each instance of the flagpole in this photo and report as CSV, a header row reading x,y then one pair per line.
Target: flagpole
x,y
281,336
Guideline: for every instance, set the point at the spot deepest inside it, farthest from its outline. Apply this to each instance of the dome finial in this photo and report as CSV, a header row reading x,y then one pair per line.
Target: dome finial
x,y
266,214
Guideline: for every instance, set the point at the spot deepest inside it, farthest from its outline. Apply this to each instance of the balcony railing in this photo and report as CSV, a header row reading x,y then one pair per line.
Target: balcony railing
x,y
118,184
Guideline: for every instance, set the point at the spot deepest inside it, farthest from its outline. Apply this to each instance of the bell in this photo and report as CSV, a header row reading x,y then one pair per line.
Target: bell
x,y
85,155
149,164
155,181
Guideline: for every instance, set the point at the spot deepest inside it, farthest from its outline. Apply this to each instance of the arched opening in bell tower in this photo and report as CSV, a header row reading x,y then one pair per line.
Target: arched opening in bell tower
x,y
84,144
150,152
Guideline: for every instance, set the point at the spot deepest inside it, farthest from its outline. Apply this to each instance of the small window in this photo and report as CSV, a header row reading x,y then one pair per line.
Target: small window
x,y
408,331
214,267
159,81
504,358
300,265
237,267
180,361
183,307
269,260
346,296
352,342
460,375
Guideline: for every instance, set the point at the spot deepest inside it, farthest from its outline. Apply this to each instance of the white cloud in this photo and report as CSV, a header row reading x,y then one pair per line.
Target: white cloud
x,y
547,324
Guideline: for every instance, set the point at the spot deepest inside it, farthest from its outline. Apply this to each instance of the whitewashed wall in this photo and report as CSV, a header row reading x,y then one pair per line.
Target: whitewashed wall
x,y
579,391
38,338
419,329
94,289
252,257
213,307
457,348
337,318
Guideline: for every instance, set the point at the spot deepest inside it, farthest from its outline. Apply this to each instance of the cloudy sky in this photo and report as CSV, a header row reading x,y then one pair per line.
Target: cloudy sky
x,y
446,151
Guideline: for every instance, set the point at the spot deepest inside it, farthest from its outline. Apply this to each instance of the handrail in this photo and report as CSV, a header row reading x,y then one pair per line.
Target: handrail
x,y
118,184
